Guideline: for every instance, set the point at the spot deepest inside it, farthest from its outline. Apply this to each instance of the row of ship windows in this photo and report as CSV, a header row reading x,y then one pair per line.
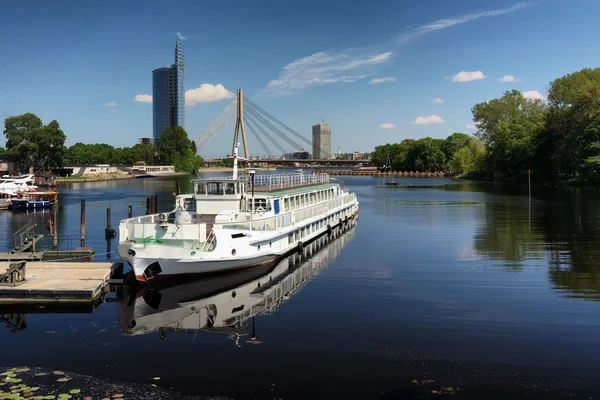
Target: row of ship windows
x,y
308,199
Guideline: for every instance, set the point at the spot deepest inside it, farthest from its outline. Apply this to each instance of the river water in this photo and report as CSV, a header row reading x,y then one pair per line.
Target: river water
x,y
441,288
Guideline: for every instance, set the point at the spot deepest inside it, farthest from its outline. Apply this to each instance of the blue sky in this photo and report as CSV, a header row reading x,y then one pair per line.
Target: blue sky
x,y
303,61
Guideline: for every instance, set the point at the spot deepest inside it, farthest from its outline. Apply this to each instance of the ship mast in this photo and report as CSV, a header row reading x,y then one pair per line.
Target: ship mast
x,y
239,125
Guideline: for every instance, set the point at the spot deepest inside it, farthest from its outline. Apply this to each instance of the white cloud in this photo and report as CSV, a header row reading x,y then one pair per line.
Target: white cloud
x,y
110,104
382,80
181,37
388,125
508,78
326,67
449,22
432,119
467,76
388,102
143,98
207,93
534,95
321,68
471,126
437,100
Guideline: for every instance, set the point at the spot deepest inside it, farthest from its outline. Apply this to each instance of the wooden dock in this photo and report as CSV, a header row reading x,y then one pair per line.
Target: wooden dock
x,y
58,283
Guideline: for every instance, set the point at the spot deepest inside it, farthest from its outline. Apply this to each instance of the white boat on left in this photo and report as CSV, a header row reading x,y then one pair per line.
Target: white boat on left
x,y
11,186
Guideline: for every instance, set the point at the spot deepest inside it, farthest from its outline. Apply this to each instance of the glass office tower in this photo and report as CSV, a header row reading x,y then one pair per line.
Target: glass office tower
x,y
168,95
162,101
179,68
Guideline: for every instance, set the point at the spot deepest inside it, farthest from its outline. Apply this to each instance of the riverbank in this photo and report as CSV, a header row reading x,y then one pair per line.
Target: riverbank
x,y
116,176
93,178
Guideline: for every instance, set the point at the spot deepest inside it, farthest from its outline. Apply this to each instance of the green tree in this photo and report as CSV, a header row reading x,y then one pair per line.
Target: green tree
x,y
426,155
33,143
509,128
147,153
174,148
454,143
463,161
570,146
51,142
2,150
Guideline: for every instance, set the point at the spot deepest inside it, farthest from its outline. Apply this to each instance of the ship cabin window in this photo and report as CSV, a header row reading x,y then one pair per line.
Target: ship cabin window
x,y
286,204
229,188
214,188
260,204
201,188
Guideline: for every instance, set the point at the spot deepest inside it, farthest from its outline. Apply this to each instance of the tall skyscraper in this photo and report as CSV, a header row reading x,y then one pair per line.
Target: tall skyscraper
x,y
168,95
321,141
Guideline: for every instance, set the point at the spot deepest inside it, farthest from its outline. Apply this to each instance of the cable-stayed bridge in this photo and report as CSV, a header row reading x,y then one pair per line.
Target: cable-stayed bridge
x,y
275,137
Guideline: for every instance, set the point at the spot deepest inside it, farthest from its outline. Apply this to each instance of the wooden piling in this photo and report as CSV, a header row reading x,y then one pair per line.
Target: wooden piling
x,y
177,187
147,205
109,232
55,227
155,207
82,227
129,211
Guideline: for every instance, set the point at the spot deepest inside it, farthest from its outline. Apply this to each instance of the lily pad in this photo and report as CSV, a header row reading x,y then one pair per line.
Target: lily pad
x,y
22,369
58,373
63,380
75,391
40,374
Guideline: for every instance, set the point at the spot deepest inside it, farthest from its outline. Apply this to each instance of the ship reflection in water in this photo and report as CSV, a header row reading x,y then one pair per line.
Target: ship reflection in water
x,y
226,303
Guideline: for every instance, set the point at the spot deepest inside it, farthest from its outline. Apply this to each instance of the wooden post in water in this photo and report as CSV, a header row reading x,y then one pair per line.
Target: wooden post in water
x,y
55,227
178,187
129,211
147,205
109,233
82,227
155,208
529,182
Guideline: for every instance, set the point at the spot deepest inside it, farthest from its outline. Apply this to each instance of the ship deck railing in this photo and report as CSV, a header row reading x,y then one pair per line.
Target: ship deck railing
x,y
269,183
149,222
288,219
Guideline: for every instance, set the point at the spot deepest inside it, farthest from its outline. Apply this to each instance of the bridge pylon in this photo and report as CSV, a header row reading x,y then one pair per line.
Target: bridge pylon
x,y
239,125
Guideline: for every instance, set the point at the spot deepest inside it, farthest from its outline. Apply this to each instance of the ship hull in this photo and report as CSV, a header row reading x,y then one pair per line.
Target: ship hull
x,y
153,262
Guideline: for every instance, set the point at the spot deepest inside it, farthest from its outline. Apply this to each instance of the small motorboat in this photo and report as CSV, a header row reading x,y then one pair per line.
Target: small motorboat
x,y
34,201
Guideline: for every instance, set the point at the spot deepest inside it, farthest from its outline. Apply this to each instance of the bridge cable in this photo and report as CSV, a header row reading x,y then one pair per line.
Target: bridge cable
x,y
274,129
266,113
225,117
260,141
249,118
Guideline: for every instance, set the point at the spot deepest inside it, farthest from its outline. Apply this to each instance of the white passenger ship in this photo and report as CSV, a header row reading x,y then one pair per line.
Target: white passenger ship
x,y
230,223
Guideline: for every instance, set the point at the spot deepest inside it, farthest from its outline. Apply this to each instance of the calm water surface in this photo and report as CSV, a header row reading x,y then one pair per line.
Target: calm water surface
x,y
440,284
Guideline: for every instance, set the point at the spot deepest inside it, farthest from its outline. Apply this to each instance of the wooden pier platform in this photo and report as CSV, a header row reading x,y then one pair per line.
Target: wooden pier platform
x,y
58,283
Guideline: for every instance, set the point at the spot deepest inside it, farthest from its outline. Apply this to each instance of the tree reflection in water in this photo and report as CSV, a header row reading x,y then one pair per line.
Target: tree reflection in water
x,y
561,230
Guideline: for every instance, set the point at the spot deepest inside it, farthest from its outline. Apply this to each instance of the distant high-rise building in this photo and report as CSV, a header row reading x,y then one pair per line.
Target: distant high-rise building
x,y
321,141
168,95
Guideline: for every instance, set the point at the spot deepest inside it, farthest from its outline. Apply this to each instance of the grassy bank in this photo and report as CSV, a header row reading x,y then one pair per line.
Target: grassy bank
x,y
94,178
